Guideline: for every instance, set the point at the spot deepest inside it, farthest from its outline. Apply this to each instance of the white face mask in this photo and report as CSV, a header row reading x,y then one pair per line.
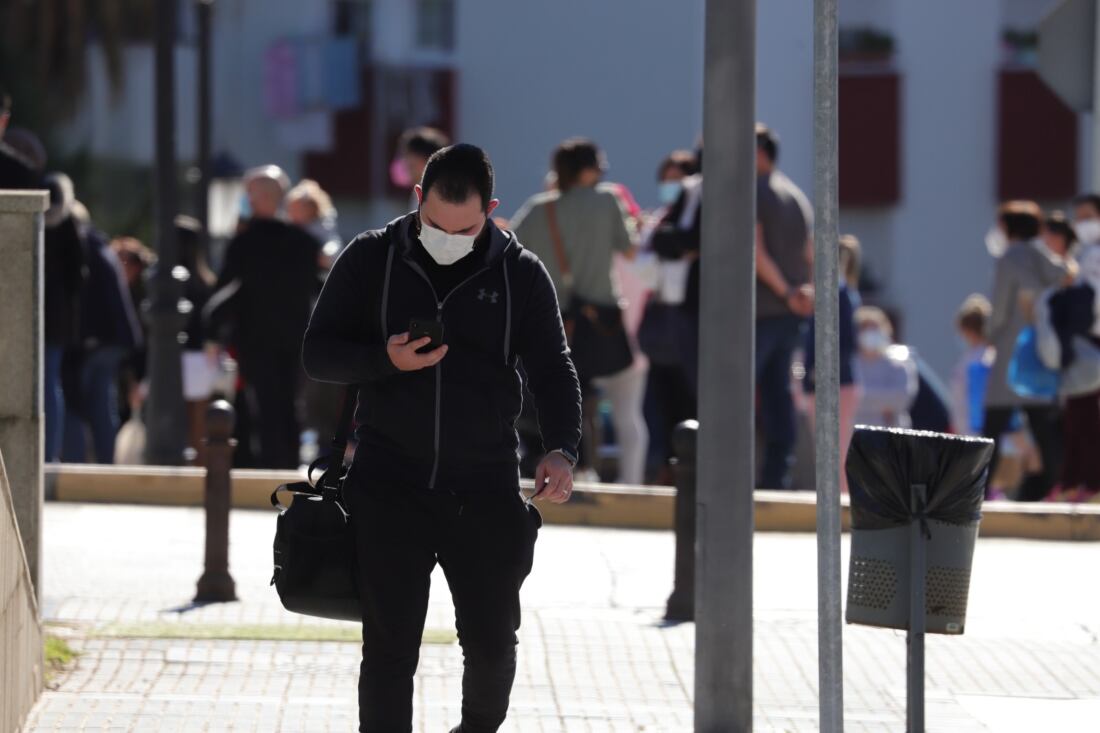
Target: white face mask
x,y
1088,231
996,242
444,248
873,340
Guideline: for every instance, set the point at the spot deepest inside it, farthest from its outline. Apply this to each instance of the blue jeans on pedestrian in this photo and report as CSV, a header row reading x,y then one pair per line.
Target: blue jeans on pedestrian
x,y
776,339
99,398
54,399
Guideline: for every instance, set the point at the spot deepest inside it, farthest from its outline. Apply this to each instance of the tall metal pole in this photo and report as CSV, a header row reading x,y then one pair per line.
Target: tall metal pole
x,y
205,10
165,418
827,369
723,606
1096,105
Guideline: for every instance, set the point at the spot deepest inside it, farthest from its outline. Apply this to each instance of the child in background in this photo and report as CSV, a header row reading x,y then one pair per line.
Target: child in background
x,y
969,378
968,385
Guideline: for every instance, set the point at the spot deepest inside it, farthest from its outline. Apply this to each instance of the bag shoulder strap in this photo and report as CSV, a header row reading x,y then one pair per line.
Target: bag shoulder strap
x,y
559,245
343,428
333,460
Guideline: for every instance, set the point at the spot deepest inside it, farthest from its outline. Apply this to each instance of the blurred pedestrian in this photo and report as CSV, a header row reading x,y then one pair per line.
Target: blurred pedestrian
x,y
199,363
1024,270
16,170
416,145
308,206
850,392
136,259
264,293
1071,315
887,376
110,333
664,334
784,300
971,373
65,272
1086,225
575,230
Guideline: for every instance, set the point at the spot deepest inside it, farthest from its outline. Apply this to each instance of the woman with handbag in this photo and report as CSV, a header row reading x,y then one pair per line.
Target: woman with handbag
x,y
1024,269
576,230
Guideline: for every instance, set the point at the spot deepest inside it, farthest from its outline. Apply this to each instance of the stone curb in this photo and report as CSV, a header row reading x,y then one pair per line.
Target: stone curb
x,y
597,505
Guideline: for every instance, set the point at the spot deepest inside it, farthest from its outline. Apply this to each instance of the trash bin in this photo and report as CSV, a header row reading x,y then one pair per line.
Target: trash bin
x,y
901,481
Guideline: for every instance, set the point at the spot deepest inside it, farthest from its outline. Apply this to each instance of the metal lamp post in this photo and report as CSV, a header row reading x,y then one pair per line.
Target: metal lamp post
x,y
166,417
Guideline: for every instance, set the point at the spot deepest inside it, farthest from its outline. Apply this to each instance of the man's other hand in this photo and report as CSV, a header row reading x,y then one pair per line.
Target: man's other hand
x,y
403,353
554,479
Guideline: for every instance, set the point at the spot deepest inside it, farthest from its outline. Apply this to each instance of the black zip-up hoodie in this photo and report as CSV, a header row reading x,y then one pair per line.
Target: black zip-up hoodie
x,y
452,426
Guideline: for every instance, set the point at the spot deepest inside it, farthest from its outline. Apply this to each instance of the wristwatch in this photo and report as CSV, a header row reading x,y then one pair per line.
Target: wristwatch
x,y
566,455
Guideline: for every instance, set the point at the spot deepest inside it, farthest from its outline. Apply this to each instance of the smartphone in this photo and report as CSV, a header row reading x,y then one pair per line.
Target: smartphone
x,y
426,327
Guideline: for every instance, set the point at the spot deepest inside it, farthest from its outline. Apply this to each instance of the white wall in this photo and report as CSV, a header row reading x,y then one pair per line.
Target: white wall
x,y
121,125
627,73
948,165
785,83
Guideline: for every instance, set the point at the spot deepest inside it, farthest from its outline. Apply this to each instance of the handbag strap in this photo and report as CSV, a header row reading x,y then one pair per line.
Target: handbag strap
x,y
333,461
343,428
559,245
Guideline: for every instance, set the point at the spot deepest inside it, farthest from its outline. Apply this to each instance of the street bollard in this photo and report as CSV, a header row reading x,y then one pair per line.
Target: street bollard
x,y
216,584
681,604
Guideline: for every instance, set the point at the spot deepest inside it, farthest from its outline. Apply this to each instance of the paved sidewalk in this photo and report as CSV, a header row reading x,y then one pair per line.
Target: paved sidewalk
x,y
593,654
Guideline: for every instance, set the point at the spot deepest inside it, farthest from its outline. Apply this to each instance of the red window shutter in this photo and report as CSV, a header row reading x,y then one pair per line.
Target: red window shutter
x,y
350,168
1036,141
869,139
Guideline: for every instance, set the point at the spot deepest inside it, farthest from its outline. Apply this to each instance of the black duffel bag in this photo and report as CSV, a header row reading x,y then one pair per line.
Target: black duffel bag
x,y
315,561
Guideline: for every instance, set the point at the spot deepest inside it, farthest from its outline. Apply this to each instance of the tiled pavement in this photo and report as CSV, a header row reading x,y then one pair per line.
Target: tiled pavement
x,y
593,655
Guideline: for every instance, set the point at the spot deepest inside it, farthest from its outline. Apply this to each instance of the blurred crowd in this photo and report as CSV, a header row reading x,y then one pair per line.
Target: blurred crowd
x,y
628,283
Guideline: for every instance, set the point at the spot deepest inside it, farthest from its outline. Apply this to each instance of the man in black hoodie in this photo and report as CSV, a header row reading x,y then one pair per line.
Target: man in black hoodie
x,y
435,478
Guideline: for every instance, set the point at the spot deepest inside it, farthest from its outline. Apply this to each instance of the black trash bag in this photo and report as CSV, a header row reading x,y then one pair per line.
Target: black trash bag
x,y
884,463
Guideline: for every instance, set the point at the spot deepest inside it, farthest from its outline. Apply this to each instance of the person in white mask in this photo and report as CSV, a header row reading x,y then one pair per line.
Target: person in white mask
x,y
429,318
887,373
1086,224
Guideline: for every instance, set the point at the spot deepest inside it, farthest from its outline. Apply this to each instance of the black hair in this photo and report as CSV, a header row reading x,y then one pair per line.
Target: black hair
x,y
573,157
423,141
682,160
1022,220
191,239
1088,199
5,102
457,172
767,141
1057,223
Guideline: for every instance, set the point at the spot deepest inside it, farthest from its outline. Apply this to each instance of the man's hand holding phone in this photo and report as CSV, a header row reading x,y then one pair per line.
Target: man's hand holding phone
x,y
403,352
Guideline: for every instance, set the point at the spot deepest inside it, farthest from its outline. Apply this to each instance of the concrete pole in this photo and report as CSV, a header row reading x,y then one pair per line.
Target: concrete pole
x,y
21,354
166,418
723,605
827,369
1096,104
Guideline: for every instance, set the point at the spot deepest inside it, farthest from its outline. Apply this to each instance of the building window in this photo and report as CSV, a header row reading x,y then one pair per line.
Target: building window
x,y
435,24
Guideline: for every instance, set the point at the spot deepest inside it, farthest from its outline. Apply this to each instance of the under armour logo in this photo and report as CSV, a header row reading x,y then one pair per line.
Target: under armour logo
x,y
484,295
